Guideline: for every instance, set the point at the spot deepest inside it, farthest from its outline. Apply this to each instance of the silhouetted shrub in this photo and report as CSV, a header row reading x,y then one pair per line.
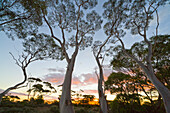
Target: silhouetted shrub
x,y
54,109
81,110
17,110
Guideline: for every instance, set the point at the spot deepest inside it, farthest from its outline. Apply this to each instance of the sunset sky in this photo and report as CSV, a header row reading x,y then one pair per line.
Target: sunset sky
x,y
84,76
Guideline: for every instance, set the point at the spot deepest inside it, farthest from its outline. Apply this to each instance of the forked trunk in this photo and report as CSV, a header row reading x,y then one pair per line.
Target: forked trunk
x,y
66,105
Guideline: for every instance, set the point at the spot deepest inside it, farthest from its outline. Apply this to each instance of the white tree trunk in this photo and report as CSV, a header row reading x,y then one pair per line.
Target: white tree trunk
x,y
164,91
148,69
102,98
65,100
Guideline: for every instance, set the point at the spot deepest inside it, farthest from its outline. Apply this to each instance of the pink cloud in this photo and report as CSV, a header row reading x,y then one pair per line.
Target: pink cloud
x,y
76,81
55,78
81,80
90,91
89,78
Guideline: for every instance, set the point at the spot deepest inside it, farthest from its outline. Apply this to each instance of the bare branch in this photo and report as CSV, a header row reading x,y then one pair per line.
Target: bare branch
x,y
103,45
62,44
20,18
138,27
63,36
97,74
131,56
51,30
15,59
77,26
156,28
8,5
107,38
22,86
78,22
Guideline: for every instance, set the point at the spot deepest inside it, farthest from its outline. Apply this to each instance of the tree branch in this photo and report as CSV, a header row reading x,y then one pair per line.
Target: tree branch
x,y
51,30
138,27
20,18
61,44
156,29
131,56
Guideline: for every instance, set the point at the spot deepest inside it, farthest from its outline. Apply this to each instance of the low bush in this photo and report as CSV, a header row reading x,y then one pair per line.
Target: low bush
x,y
17,110
54,109
81,110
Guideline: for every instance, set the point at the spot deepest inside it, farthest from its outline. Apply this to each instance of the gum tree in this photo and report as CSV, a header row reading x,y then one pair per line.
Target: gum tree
x,y
100,51
136,16
70,27
122,63
97,50
30,54
23,65
69,18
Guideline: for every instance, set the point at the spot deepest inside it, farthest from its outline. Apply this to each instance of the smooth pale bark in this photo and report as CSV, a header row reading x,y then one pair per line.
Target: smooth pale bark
x,y
102,97
164,91
149,71
66,105
14,87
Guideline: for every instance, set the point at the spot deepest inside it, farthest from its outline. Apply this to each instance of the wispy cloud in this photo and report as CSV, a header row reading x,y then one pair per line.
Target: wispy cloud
x,y
52,69
57,69
85,79
55,78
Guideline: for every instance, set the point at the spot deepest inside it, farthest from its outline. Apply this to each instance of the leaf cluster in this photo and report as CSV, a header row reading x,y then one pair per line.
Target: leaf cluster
x,y
44,46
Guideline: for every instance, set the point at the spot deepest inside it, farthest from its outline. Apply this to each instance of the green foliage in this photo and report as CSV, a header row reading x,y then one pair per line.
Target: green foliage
x,y
9,98
136,81
118,83
130,98
67,15
17,19
114,105
44,47
121,106
133,15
